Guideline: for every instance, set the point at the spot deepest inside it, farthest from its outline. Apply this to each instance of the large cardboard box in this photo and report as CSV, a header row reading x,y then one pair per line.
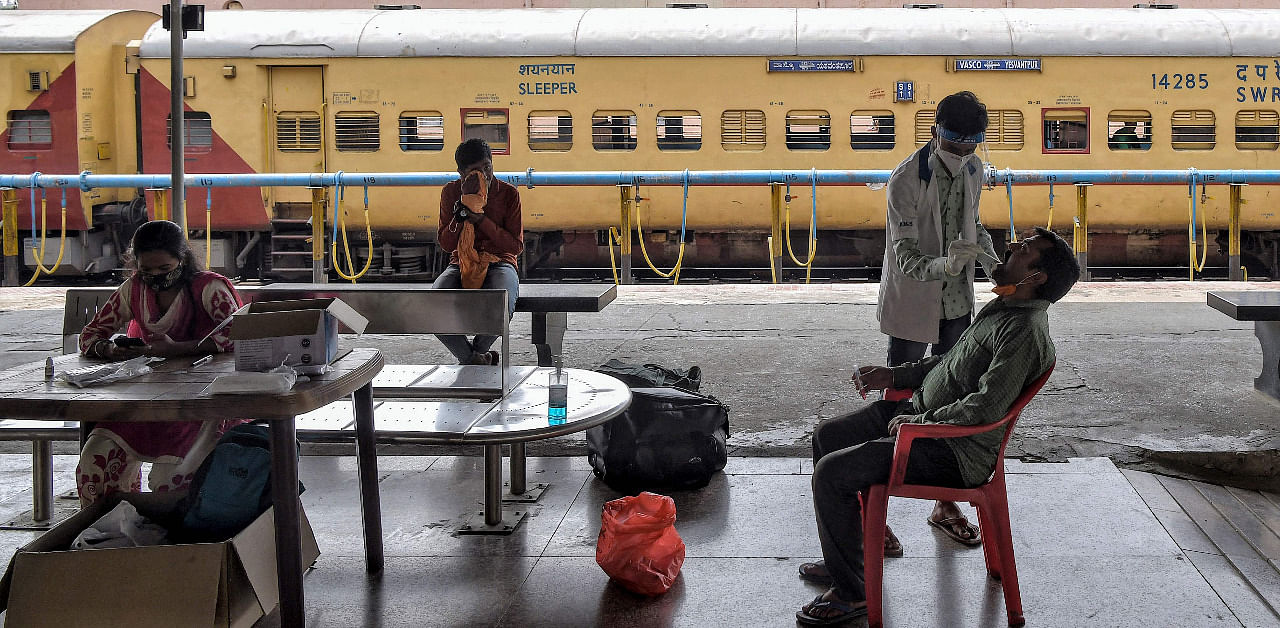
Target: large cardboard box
x,y
230,584
303,332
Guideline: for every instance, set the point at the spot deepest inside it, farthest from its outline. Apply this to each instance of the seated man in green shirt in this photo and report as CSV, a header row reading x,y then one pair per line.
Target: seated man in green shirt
x,y
1005,349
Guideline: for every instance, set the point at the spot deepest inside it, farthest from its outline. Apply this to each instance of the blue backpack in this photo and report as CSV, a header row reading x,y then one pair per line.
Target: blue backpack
x,y
232,487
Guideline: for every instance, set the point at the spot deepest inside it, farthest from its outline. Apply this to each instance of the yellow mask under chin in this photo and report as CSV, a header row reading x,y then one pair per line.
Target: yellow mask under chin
x,y
1005,290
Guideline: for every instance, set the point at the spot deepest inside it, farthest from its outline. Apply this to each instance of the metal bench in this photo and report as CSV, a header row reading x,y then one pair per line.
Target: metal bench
x,y
1263,308
391,309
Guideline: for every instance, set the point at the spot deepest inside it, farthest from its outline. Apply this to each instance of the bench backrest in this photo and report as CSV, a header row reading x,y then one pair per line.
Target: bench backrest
x,y
390,309
404,310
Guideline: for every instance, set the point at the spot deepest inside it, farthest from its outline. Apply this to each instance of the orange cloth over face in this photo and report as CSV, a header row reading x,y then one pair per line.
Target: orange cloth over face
x,y
473,265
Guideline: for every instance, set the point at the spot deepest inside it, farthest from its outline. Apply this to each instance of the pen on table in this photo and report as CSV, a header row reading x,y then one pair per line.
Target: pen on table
x,y
858,381
202,361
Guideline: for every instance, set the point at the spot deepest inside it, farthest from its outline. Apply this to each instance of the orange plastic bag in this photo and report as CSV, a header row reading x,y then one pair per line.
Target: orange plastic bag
x,y
638,544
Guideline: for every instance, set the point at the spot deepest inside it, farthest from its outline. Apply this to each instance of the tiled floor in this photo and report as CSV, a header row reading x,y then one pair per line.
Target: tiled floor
x,y
1095,547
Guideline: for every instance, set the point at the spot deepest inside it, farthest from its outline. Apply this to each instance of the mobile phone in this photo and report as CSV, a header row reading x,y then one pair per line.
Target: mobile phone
x,y
127,342
471,183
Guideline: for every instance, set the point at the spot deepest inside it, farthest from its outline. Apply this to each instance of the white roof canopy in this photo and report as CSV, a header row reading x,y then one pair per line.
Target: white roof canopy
x,y
728,32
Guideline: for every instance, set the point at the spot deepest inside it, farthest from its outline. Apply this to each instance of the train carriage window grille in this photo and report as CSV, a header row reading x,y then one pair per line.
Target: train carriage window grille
x,y
742,130
1005,129
421,130
1193,129
808,130
1129,130
679,130
298,132
550,130
871,130
30,130
489,125
356,131
925,119
614,130
197,132
1066,130
1257,130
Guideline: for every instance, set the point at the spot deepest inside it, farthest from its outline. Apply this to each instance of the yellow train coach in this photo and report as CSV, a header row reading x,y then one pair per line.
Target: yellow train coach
x,y
723,89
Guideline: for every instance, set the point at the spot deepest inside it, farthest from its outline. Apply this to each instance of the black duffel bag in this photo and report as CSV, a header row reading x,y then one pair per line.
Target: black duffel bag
x,y
667,439
652,375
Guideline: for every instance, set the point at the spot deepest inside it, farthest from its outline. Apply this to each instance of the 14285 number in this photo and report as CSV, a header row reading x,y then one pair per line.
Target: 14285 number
x,y
1180,81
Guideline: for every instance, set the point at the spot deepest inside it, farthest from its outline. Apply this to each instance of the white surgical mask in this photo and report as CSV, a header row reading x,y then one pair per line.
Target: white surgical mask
x,y
952,161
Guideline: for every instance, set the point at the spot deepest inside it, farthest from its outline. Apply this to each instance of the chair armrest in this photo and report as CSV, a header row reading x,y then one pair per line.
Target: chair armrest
x,y
908,432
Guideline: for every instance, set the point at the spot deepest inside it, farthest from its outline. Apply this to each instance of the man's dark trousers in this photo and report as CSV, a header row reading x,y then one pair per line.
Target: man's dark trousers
x,y
850,453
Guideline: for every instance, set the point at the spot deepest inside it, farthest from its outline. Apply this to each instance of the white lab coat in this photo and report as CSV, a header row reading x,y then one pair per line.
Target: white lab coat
x,y
909,308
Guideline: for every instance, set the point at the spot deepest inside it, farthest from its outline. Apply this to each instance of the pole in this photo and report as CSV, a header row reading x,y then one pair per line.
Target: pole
x,y
10,219
1080,235
624,224
318,274
775,218
1236,273
176,85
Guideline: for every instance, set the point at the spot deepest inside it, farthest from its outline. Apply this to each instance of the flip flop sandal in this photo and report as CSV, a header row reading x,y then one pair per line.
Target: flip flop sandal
x,y
846,612
815,572
945,526
892,552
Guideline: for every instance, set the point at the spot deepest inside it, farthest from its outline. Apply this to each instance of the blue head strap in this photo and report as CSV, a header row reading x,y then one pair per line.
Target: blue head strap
x,y
952,136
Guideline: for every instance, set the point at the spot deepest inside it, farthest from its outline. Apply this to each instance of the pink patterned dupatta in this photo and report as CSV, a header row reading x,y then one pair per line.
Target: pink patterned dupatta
x,y
216,299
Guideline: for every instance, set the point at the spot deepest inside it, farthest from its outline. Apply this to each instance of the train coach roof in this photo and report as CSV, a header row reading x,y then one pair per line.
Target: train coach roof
x,y
46,31
728,32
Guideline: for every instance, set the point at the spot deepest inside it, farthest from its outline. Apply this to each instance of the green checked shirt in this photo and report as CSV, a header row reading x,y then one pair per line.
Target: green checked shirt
x,y
1006,348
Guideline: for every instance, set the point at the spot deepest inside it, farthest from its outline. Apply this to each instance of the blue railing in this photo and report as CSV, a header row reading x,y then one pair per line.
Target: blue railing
x,y
531,178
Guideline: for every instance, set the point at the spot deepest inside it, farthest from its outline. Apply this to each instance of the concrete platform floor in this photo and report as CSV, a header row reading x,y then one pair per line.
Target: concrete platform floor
x,y
1147,375
1095,547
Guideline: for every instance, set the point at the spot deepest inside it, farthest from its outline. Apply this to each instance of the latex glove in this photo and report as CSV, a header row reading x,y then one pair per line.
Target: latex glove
x,y
475,202
897,422
961,253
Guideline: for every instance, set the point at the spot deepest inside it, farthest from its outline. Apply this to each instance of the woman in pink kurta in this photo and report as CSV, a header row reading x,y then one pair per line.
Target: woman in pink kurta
x,y
171,305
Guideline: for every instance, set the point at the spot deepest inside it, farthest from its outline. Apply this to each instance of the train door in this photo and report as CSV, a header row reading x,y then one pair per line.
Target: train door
x,y
295,143
297,120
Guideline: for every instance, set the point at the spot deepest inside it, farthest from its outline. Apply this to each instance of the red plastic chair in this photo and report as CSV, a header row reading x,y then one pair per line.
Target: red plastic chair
x,y
990,499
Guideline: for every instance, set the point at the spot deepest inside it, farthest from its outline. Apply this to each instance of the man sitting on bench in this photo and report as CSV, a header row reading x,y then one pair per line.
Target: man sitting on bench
x,y
1005,349
481,227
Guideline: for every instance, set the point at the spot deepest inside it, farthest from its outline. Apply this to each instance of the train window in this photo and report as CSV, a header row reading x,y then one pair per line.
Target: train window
x,y
925,119
30,130
871,130
742,130
356,131
808,130
613,130
550,130
1193,129
197,132
1005,129
1257,130
1129,130
679,130
421,130
1066,130
489,125
298,132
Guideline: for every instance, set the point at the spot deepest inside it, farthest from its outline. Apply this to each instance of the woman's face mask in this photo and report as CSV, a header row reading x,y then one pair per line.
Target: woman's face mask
x,y
161,282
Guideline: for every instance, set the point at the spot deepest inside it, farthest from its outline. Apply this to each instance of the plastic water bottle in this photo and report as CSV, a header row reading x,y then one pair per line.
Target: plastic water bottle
x,y
557,394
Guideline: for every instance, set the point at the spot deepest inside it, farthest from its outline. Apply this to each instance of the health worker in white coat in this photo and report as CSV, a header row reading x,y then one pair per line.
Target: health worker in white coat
x,y
933,240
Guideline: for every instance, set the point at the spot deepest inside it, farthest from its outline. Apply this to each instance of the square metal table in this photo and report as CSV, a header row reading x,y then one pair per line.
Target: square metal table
x,y
172,392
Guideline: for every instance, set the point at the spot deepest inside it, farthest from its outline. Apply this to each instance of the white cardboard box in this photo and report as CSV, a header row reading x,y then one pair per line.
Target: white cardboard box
x,y
303,332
